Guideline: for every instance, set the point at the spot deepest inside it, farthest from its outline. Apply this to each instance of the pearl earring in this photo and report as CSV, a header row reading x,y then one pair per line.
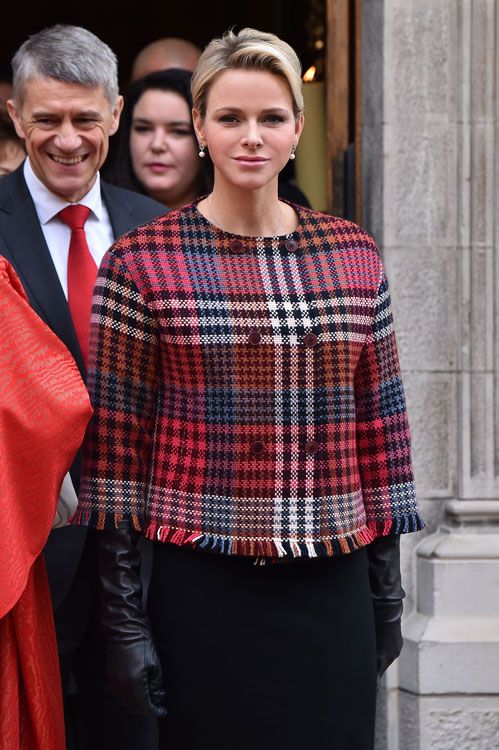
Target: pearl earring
x,y
201,150
292,154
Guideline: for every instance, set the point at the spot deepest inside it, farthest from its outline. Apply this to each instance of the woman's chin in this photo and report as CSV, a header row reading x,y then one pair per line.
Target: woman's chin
x,y
251,182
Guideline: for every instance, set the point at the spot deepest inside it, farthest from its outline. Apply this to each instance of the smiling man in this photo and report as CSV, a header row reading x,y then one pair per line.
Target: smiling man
x,y
66,127
57,220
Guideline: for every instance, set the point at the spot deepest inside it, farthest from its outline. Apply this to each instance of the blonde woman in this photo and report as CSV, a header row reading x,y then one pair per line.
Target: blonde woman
x,y
250,419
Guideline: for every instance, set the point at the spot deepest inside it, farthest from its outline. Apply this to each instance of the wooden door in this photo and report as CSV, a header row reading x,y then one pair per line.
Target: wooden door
x,y
343,108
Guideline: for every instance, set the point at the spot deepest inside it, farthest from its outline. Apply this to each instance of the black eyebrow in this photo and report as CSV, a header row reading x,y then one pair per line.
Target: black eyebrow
x,y
169,122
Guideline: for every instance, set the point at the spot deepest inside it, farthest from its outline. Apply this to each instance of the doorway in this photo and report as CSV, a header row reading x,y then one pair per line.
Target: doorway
x,y
306,26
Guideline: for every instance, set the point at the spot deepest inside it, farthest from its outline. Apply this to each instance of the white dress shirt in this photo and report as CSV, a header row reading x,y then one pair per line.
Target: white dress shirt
x,y
57,234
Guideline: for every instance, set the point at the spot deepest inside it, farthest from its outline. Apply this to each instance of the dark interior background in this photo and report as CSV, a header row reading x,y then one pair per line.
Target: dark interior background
x,y
127,32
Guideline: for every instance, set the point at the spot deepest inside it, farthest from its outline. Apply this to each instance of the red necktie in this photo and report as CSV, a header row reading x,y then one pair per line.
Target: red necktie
x,y
82,273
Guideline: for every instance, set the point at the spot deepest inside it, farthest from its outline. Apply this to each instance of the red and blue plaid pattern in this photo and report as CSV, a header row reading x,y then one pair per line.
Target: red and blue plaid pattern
x,y
246,391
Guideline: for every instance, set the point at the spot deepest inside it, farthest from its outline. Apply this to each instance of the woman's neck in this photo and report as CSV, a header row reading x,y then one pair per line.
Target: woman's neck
x,y
254,213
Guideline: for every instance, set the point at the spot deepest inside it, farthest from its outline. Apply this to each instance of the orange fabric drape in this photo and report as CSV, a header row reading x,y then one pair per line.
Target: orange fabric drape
x,y
44,409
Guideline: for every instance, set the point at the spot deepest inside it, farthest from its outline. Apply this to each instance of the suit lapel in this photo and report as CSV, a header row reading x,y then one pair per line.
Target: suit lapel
x,y
120,212
24,239
26,248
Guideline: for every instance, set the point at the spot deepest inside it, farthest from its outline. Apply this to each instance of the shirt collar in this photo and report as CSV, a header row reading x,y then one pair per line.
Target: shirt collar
x,y
47,204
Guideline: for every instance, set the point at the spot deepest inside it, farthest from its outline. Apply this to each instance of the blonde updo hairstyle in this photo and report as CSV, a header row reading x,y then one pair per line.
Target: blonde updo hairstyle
x,y
248,50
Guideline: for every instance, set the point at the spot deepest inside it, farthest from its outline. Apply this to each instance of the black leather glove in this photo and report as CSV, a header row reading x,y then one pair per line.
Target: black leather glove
x,y
387,595
133,669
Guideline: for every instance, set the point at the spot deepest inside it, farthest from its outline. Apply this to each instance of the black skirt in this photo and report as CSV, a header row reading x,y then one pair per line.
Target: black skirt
x,y
278,656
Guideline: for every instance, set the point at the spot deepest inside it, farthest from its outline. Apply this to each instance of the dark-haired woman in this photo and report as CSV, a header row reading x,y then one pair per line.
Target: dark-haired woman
x,y
157,152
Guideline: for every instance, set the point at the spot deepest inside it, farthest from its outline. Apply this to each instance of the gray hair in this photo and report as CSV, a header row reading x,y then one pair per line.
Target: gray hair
x,y
67,53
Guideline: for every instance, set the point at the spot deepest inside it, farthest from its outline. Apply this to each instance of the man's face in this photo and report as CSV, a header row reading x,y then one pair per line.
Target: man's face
x,y
66,128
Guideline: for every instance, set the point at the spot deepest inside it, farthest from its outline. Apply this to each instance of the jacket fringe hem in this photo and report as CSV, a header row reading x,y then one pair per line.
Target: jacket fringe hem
x,y
286,548
103,521
397,525
258,548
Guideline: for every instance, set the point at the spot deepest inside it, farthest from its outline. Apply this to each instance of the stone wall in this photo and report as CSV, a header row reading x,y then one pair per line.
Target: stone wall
x,y
430,173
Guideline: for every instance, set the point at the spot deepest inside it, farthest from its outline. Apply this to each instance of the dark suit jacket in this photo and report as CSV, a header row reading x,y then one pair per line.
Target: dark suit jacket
x,y
23,244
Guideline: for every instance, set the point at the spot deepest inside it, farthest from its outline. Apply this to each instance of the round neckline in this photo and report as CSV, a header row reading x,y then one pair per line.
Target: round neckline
x,y
250,237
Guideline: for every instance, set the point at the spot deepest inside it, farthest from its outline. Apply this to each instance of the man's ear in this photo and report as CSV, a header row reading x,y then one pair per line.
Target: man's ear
x,y
16,118
118,107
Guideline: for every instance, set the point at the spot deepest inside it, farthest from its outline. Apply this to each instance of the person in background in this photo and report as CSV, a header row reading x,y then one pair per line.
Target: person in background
x,y
263,445
44,409
168,52
157,152
57,219
5,83
12,152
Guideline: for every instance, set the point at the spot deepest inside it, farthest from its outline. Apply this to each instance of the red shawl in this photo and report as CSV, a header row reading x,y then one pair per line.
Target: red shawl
x,y
44,409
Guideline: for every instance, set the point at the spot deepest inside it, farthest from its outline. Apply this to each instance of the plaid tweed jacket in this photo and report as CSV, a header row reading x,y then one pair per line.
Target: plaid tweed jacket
x,y
246,391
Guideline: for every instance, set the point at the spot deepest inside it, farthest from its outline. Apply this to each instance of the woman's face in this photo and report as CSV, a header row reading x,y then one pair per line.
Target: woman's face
x,y
163,148
249,127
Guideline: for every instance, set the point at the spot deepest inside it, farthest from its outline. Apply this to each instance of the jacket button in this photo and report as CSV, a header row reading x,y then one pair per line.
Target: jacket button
x,y
236,246
291,245
311,447
254,337
310,339
257,448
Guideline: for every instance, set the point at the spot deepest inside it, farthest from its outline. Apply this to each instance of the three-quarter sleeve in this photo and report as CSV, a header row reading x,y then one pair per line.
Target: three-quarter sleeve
x,y
383,437
123,387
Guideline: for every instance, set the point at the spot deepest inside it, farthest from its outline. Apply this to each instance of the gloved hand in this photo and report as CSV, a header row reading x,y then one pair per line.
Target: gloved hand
x,y
133,669
387,595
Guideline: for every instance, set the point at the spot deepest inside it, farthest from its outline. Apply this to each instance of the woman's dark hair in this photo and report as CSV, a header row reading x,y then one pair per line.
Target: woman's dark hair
x,y
7,129
118,168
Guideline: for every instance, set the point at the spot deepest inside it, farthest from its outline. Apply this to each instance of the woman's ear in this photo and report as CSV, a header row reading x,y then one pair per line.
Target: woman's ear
x,y
299,123
198,124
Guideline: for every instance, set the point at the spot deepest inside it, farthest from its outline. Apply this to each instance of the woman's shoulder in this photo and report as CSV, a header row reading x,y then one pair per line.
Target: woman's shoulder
x,y
149,233
343,232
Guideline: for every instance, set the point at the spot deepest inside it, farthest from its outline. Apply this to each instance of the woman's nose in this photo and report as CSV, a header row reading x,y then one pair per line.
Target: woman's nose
x,y
158,141
252,137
